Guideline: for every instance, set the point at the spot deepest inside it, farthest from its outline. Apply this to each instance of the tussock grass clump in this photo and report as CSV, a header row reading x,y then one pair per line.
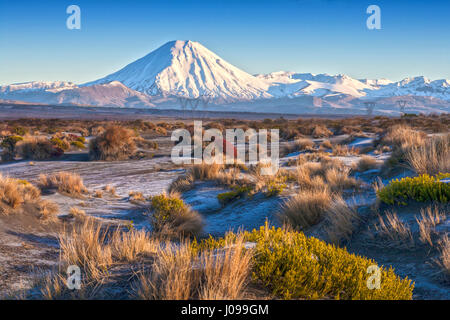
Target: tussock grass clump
x,y
182,184
402,139
338,179
306,208
344,150
328,173
366,163
341,221
77,214
182,272
394,230
444,259
298,145
95,248
48,210
403,136
86,247
172,217
65,182
136,196
321,131
226,271
293,266
326,144
422,188
172,275
205,171
431,157
115,143
14,193
430,218
36,148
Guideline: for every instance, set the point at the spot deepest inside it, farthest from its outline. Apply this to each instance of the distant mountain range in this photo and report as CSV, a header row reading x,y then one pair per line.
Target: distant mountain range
x,y
181,71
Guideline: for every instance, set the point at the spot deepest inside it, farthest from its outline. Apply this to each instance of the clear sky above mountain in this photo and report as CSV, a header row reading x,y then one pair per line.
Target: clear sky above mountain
x,y
257,36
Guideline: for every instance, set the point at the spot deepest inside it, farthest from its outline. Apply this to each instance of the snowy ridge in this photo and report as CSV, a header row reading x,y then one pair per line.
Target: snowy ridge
x,y
187,69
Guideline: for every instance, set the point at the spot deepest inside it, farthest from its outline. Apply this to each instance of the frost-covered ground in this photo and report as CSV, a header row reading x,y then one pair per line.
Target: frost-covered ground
x,y
25,246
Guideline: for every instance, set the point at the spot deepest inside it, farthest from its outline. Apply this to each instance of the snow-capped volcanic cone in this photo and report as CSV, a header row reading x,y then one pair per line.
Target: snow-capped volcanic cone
x,y
188,69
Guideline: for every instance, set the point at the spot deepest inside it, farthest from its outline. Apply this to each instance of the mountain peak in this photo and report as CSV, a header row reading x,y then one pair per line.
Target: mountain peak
x,y
188,69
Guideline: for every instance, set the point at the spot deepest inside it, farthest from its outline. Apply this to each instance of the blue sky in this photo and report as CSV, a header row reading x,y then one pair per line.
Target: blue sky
x,y
258,36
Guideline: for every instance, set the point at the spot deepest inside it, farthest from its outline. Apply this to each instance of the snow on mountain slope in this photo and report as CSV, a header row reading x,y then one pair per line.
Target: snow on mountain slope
x,y
37,86
188,69
417,86
113,94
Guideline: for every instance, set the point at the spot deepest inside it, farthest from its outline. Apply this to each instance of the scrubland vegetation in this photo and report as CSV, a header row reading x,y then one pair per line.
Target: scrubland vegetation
x,y
352,194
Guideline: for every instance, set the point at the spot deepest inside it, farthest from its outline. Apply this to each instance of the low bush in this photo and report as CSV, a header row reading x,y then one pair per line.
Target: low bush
x,y
78,144
236,193
432,157
8,144
171,216
65,182
37,148
294,266
422,188
306,208
115,143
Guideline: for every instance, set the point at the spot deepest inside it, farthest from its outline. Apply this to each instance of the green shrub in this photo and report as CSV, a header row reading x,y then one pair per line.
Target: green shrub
x,y
164,207
422,188
9,147
10,141
78,144
294,266
173,218
21,131
237,193
60,143
274,188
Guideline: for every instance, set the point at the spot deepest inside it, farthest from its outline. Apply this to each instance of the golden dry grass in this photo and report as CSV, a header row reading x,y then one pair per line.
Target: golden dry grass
x,y
444,259
172,275
182,184
128,246
136,196
403,136
392,228
65,182
306,208
225,272
94,248
77,214
339,179
205,171
326,144
344,150
298,145
432,157
341,221
35,148
179,273
48,210
14,192
430,218
115,143
366,163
